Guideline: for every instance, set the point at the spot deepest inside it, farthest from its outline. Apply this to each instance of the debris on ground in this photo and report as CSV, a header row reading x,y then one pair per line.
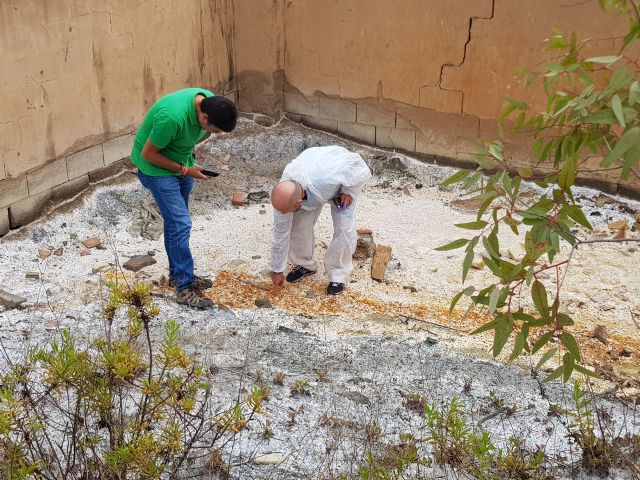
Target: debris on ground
x,y
138,262
380,261
91,242
237,199
10,300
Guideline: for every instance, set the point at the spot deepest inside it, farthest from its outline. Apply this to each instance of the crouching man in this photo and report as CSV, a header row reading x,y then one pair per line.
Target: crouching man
x,y
317,176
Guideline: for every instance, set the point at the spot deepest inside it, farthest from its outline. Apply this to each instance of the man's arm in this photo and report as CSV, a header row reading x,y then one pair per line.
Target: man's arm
x,y
152,154
280,246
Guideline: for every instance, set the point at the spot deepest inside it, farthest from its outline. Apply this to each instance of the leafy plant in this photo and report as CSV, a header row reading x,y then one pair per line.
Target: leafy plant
x,y
591,116
120,407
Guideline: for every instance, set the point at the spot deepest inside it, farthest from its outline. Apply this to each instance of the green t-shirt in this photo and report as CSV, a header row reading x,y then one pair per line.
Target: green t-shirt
x,y
172,126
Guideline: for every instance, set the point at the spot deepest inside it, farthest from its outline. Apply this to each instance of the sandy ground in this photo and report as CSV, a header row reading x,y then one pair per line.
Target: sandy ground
x,y
408,309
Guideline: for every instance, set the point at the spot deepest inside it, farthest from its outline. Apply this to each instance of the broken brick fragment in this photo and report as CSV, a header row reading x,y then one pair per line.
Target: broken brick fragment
x,y
364,231
91,242
237,199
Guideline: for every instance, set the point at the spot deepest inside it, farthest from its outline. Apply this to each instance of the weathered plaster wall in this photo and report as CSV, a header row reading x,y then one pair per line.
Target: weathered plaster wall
x,y
426,76
76,77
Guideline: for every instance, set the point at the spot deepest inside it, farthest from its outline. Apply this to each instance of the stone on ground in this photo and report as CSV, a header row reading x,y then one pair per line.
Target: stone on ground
x,y
138,262
269,459
9,300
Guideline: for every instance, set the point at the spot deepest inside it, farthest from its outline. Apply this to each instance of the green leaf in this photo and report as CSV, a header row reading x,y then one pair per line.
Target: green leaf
x,y
634,93
461,242
604,116
585,371
485,161
487,326
525,172
564,320
455,178
516,103
630,138
466,264
493,299
467,291
554,69
616,105
631,157
608,60
578,215
568,362
503,330
491,244
542,341
479,225
567,175
539,296
570,344
546,357
519,345
555,374
496,151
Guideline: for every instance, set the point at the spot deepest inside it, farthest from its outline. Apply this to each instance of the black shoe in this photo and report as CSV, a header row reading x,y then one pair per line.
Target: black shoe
x,y
335,288
199,282
297,273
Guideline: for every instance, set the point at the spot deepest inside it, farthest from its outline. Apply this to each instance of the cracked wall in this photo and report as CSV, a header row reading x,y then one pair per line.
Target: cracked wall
x,y
77,78
427,76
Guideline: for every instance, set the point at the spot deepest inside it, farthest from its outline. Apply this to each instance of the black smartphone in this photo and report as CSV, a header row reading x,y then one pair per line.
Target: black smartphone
x,y
209,173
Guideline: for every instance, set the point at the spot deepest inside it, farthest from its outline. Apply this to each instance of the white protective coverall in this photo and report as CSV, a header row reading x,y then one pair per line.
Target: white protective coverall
x,y
324,173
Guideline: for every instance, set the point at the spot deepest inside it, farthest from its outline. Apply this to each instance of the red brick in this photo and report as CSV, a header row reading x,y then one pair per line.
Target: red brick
x,y
237,199
364,231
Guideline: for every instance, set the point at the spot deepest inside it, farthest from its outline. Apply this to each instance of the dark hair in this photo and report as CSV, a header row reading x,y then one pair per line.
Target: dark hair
x,y
221,112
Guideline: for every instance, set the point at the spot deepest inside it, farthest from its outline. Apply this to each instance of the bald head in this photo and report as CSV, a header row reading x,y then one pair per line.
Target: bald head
x,y
286,197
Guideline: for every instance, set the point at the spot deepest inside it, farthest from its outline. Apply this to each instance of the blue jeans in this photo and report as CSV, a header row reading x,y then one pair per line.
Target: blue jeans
x,y
171,194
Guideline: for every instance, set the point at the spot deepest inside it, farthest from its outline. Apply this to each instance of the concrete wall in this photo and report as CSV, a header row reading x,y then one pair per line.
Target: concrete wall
x,y
77,76
424,76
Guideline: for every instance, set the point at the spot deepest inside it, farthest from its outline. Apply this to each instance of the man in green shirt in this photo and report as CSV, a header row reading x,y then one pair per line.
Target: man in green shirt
x,y
163,153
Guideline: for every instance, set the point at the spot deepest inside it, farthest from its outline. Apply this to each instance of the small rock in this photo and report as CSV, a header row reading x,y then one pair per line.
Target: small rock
x,y
59,252
430,341
595,213
151,253
600,333
52,325
100,268
603,200
255,257
268,459
237,199
364,231
434,269
33,275
257,197
91,242
262,212
607,307
406,191
138,262
411,288
365,246
625,352
477,265
357,397
310,294
263,303
10,301
418,186
44,253
84,253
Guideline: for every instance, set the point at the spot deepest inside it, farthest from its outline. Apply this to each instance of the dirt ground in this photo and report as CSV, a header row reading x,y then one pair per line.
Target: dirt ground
x,y
391,336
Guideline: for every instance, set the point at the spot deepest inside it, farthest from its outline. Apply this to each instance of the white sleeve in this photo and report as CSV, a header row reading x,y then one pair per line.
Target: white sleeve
x,y
280,240
354,191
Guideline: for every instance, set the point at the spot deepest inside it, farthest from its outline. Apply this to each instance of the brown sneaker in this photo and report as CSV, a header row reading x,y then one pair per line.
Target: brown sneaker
x,y
198,282
193,297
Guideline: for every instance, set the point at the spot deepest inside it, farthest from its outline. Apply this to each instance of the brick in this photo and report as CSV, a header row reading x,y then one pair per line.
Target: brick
x,y
117,149
13,189
341,110
4,221
111,170
296,103
237,199
397,138
376,115
358,131
85,161
380,261
70,189
46,177
28,209
91,242
294,117
326,124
